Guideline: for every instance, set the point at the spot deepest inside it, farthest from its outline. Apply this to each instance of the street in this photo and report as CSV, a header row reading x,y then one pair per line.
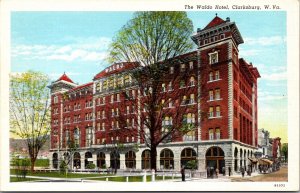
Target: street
x,y
278,176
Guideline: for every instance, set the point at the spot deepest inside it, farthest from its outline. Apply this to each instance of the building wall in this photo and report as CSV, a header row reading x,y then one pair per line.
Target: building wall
x,y
99,123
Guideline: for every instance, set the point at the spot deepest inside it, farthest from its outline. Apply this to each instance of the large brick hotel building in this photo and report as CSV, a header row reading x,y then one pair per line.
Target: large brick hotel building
x,y
221,85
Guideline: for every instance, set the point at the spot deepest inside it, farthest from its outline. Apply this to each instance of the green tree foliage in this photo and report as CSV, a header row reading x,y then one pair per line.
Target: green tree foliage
x,y
30,111
284,150
21,167
153,39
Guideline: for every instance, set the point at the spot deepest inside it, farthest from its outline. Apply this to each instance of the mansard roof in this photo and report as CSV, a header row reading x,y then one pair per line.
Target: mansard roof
x,y
216,21
116,68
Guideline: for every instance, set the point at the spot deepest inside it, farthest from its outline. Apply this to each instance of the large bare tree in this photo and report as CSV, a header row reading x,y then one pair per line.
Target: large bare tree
x,y
30,111
154,40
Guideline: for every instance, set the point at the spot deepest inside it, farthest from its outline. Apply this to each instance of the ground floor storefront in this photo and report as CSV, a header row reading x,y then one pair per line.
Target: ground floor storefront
x,y
222,155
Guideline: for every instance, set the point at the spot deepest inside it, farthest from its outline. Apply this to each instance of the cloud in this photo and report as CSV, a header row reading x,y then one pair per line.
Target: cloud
x,y
81,49
270,96
249,52
265,41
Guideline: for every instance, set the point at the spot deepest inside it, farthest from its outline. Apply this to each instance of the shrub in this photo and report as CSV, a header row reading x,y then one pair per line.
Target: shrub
x,y
21,167
63,167
91,166
192,164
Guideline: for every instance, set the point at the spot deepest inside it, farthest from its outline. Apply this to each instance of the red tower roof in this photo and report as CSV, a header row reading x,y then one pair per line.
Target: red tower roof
x,y
216,21
65,78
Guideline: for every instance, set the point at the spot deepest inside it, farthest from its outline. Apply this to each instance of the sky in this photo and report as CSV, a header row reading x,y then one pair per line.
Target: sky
x,y
77,43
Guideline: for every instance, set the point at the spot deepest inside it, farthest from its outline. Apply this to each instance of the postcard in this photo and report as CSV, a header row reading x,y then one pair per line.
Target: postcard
x,y
149,95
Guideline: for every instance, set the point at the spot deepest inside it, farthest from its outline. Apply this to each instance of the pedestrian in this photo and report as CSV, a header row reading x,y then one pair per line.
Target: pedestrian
x,y
243,171
229,171
223,171
208,172
182,173
217,172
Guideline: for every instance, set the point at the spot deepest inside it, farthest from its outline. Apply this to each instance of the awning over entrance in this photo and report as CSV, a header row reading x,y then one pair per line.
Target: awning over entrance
x,y
253,160
265,162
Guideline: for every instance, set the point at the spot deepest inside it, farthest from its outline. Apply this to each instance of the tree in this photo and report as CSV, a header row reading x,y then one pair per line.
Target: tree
x,y
284,151
154,40
30,111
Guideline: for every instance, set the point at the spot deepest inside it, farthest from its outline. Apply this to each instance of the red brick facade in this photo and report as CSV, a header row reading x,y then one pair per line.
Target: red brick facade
x,y
222,97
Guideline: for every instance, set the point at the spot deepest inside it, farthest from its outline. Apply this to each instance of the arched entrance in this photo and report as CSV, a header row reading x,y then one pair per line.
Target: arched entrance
x,y
87,159
187,156
76,160
130,159
115,160
215,158
146,159
55,160
101,160
166,159
235,159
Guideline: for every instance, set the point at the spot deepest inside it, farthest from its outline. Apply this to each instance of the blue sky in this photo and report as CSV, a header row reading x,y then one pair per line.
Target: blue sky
x,y
77,42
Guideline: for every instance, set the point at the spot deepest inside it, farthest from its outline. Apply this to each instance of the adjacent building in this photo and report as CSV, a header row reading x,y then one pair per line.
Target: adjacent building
x,y
221,96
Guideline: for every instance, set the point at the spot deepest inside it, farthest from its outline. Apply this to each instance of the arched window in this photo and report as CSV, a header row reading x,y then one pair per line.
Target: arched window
x,y
166,159
215,158
130,159
101,160
76,160
188,155
146,159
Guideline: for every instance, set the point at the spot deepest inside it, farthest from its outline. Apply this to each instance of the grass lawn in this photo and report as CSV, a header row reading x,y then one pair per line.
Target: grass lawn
x,y
15,179
132,178
62,175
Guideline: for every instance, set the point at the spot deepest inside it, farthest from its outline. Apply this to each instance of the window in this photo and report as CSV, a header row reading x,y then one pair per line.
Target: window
x,y
182,67
192,81
103,100
222,36
217,94
184,100
211,95
192,98
113,112
211,112
170,103
211,134
133,94
76,136
120,81
213,57
132,122
171,70
88,139
103,127
191,65
127,123
55,99
217,75
112,98
211,76
218,134
205,41
170,86
163,87
103,114
118,97
117,112
117,124
127,110
218,113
